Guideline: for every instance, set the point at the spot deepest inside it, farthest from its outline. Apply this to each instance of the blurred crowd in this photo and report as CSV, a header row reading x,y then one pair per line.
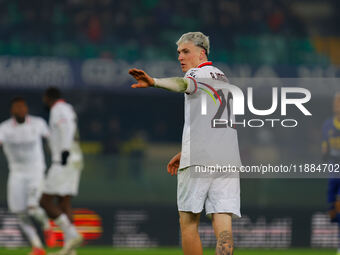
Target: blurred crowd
x,y
116,21
145,29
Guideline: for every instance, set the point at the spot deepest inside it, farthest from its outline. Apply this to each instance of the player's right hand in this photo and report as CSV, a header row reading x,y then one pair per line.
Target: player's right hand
x,y
174,164
143,79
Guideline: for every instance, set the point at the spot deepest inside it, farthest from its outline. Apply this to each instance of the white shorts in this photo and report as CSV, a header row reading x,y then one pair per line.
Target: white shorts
x,y
218,194
62,180
24,190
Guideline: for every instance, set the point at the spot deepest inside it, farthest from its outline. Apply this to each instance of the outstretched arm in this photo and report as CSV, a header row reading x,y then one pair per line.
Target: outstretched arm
x,y
143,79
175,84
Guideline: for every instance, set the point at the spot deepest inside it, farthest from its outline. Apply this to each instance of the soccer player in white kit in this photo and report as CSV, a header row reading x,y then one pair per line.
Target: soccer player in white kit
x,y
220,196
21,137
63,177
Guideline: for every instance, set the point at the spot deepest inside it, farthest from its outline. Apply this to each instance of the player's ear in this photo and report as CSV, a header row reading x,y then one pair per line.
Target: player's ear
x,y
203,54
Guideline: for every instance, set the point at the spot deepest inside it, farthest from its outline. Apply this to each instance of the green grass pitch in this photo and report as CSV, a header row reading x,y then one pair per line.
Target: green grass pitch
x,y
175,251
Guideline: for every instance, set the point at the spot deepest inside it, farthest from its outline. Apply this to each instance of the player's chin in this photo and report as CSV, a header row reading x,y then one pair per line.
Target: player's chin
x,y
184,68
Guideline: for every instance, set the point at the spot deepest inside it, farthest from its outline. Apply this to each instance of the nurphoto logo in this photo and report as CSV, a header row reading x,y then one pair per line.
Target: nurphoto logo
x,y
231,98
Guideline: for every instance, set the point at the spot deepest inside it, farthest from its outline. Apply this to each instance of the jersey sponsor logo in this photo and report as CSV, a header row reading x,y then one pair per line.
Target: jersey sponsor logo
x,y
193,73
218,77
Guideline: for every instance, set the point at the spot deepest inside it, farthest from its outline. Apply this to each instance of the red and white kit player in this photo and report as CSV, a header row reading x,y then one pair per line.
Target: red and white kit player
x,y
21,138
202,145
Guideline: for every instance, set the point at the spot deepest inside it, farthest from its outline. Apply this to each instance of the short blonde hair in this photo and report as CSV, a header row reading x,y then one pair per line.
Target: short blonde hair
x,y
198,38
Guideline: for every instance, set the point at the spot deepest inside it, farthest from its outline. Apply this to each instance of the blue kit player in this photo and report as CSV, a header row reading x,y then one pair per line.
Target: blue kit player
x,y
331,154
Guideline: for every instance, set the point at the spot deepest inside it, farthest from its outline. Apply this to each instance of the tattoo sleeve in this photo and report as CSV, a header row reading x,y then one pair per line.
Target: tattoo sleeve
x,y
225,243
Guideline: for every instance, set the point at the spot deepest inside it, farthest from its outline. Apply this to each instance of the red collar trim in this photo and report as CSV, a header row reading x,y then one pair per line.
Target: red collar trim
x,y
208,63
58,101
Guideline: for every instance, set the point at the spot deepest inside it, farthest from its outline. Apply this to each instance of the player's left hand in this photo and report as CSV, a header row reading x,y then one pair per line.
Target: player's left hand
x,y
143,79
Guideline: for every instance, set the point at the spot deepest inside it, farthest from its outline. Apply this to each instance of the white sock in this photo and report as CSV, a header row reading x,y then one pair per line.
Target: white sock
x,y
29,230
67,227
40,215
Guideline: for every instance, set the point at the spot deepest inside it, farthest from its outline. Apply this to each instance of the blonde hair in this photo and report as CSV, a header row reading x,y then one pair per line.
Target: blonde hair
x,y
198,38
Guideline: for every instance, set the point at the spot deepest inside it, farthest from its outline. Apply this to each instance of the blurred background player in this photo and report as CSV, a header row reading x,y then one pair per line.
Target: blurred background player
x,y
64,174
21,137
331,154
220,196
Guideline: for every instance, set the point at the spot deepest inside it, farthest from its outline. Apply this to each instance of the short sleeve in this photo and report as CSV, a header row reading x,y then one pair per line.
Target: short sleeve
x,y
191,75
59,117
192,86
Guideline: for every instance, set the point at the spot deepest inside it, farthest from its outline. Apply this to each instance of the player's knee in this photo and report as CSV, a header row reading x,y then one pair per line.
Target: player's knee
x,y
23,217
65,204
225,244
188,221
44,204
47,204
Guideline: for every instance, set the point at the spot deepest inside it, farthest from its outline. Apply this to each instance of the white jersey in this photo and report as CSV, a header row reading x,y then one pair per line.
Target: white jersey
x,y
22,143
201,143
64,133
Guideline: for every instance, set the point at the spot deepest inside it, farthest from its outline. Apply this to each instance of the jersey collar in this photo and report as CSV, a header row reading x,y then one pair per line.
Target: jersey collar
x,y
207,63
15,123
336,123
56,102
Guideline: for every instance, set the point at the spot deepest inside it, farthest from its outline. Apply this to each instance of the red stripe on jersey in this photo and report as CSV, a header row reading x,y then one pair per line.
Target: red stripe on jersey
x,y
208,63
194,83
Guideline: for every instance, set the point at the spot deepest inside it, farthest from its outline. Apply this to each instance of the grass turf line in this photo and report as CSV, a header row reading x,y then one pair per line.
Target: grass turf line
x,y
174,251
